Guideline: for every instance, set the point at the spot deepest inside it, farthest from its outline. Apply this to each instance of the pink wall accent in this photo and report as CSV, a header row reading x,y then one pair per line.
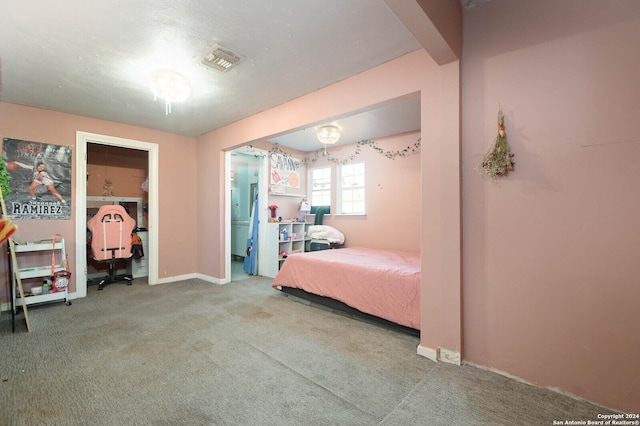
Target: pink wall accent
x,y
125,168
440,189
177,195
410,74
551,267
550,252
436,24
392,191
441,210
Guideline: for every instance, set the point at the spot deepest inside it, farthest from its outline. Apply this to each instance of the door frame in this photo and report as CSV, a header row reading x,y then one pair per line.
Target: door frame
x,y
82,139
263,194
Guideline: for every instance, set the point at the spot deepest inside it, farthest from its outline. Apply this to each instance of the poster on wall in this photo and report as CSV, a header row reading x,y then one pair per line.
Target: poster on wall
x,y
40,179
285,171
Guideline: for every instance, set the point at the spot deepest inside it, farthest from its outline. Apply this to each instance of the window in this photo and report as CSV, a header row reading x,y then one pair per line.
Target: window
x,y
352,189
320,187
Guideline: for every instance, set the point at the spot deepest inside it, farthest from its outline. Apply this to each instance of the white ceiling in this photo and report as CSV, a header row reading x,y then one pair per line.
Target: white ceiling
x,y
93,58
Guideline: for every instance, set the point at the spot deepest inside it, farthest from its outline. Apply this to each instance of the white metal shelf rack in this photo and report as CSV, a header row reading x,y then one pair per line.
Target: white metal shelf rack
x,y
38,251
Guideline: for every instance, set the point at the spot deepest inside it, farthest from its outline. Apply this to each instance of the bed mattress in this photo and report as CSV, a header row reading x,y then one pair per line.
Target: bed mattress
x,y
377,282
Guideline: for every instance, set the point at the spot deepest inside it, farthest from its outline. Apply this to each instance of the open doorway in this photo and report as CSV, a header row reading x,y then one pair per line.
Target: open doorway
x,y
245,215
82,140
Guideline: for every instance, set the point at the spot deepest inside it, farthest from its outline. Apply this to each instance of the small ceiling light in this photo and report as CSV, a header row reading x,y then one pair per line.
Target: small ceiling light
x,y
328,135
170,86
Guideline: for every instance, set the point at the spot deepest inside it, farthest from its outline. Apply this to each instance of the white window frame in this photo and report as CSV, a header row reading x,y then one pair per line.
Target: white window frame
x,y
324,197
352,188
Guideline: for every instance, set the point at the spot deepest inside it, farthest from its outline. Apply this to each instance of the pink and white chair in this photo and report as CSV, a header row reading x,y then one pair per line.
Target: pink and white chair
x,y
111,230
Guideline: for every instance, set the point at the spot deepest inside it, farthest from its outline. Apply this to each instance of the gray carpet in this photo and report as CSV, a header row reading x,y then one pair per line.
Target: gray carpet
x,y
193,353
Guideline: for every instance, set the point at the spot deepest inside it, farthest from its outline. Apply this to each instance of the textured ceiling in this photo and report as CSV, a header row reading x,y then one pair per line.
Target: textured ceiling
x,y
93,58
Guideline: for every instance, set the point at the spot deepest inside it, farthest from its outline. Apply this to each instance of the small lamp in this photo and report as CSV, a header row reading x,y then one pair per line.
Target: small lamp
x,y
305,208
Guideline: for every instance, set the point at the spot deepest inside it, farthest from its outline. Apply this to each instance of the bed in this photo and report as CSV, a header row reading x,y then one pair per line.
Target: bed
x,y
380,283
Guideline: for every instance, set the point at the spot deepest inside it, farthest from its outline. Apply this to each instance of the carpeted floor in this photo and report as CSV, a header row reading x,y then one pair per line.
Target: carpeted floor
x,y
194,353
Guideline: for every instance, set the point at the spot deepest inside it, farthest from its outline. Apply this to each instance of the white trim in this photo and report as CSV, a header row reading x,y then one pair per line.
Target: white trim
x,y
263,196
341,189
449,356
210,279
176,278
82,139
227,222
432,354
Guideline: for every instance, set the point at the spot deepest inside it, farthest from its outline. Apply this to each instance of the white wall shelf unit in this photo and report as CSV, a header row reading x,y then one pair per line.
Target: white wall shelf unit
x,y
277,248
34,266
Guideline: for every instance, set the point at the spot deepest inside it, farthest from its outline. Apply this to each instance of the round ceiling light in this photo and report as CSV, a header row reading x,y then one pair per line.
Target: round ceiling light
x,y
328,135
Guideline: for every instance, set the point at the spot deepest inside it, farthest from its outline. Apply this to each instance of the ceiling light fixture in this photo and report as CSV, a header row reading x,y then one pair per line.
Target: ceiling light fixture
x,y
328,135
170,86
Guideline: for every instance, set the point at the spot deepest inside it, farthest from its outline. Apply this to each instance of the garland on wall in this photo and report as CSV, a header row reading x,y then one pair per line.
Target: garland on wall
x,y
323,153
498,161
4,180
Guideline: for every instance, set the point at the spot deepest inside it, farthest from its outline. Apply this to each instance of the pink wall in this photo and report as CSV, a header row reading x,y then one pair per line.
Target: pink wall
x,y
176,187
435,24
410,74
550,252
440,209
126,169
440,220
392,191
551,267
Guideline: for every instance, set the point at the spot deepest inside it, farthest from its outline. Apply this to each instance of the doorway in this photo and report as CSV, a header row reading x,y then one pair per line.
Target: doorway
x,y
245,173
82,139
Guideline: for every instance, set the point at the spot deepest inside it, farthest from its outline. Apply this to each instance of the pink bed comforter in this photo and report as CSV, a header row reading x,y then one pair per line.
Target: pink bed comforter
x,y
381,283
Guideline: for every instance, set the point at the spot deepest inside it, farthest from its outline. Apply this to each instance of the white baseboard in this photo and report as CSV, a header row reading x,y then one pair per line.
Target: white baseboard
x,y
447,355
178,278
432,354
209,279
440,354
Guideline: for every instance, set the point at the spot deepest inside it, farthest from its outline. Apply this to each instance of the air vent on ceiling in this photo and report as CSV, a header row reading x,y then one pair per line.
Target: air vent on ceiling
x,y
221,59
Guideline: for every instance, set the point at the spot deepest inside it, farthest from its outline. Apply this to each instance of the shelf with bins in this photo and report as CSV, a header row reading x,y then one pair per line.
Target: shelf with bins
x,y
279,248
